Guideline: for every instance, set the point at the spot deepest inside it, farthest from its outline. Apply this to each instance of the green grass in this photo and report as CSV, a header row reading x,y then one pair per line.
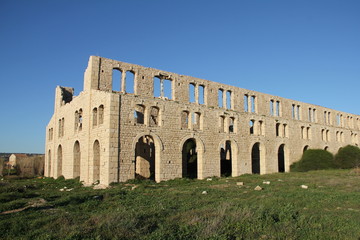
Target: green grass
x,y
177,209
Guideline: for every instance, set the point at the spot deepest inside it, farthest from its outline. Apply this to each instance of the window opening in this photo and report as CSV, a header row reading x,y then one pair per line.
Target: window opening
x,y
220,98
184,120
246,103
129,81
154,116
116,79
192,92
201,94
253,102
139,114
228,100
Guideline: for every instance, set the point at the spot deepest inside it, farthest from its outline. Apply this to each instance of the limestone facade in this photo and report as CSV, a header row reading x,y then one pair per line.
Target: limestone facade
x,y
132,121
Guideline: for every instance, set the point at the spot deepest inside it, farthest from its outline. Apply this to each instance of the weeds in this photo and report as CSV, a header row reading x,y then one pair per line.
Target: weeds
x,y
177,209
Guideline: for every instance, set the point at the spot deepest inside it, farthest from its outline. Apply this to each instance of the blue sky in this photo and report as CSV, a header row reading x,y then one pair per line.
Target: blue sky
x,y
306,50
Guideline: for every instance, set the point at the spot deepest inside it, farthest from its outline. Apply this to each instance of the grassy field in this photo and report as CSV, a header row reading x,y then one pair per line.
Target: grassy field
x,y
186,209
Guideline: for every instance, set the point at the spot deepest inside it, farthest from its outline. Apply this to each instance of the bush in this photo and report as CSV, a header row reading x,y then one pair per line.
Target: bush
x,y
348,157
314,159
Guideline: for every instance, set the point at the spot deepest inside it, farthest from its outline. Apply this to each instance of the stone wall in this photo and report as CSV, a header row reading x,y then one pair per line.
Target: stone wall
x,y
132,121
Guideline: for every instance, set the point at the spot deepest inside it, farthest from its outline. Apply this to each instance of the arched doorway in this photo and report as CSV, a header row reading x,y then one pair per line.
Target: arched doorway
x,y
255,159
281,158
59,161
145,158
226,159
77,157
189,159
96,161
305,148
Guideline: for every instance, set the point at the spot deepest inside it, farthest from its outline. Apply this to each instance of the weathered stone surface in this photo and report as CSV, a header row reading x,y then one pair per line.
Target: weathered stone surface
x,y
258,188
162,126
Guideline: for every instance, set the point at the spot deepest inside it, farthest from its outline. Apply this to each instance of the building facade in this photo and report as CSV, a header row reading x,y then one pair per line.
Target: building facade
x,y
137,122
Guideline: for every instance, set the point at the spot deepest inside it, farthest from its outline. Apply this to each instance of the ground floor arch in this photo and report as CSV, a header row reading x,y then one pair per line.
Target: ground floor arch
x,y
189,159
96,161
145,158
281,158
226,159
76,159
255,158
305,148
59,161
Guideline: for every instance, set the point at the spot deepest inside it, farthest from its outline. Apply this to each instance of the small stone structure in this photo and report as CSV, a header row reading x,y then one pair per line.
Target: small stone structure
x,y
132,121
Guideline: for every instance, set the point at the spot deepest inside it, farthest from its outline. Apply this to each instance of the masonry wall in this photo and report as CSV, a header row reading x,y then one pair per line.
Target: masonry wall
x,y
241,118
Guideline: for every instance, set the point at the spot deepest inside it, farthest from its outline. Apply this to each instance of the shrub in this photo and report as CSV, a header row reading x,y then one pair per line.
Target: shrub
x,y
348,157
314,159
1,166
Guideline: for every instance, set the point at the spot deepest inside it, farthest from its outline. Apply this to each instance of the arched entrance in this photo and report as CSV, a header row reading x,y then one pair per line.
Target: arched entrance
x,y
96,161
77,157
189,159
305,148
145,158
281,158
226,159
59,161
255,159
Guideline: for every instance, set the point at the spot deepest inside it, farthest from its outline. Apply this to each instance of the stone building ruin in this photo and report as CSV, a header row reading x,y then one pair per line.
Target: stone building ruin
x,y
137,122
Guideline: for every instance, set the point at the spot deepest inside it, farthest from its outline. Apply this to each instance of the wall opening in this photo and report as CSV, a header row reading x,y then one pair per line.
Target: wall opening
x,y
226,159
220,98
96,161
246,103
255,159
77,157
167,89
271,107
305,148
228,100
154,116
129,82
184,120
192,92
59,161
157,91
252,126
94,117
189,159
231,124
139,114
277,130
201,94
116,80
196,123
253,104
101,114
281,158
222,123
145,158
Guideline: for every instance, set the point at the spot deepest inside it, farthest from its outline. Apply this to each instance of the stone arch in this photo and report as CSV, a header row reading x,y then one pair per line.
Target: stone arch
x,y
145,158
255,158
229,151
326,148
59,161
96,161
188,153
157,149
281,158
76,159
305,148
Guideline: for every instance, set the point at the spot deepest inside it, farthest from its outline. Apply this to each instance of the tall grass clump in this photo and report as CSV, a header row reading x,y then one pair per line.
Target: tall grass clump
x,y
348,157
314,159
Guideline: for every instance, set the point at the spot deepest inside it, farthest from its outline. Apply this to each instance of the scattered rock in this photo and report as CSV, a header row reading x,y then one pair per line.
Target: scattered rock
x,y
240,183
61,189
134,187
279,180
204,192
258,188
304,187
266,182
100,186
209,179
70,189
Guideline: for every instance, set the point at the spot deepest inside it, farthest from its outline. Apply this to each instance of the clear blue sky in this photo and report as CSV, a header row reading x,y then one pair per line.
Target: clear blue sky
x,y
306,50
